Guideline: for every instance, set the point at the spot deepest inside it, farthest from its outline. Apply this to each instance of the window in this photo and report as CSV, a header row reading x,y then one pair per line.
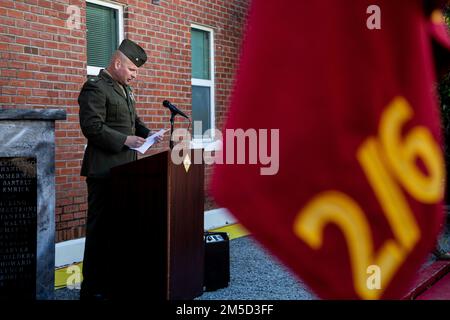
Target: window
x,y
104,24
202,47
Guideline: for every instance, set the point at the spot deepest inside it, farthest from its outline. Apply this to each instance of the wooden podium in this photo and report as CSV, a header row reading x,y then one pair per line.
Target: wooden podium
x,y
158,229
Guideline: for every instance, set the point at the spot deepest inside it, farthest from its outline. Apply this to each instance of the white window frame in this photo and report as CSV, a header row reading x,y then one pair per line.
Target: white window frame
x,y
210,143
92,70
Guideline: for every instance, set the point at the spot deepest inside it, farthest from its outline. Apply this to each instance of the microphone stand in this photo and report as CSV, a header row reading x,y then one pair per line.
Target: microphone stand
x,y
172,117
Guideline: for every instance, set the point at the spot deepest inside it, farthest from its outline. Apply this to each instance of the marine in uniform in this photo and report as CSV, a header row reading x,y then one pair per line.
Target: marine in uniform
x,y
109,121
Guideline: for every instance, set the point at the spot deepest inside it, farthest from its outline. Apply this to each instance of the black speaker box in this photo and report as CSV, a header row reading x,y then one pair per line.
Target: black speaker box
x,y
217,261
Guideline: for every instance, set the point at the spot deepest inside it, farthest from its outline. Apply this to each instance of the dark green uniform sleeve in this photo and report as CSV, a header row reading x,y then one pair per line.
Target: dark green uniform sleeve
x,y
92,101
141,130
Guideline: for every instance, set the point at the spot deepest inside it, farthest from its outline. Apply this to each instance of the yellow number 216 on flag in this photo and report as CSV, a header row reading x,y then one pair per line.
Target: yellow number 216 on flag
x,y
389,164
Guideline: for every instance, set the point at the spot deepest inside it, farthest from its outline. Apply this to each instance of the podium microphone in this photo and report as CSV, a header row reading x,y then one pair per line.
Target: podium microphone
x,y
174,109
173,112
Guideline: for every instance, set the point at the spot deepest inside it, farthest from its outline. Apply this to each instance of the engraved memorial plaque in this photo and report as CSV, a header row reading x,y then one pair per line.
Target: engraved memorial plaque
x,y
18,227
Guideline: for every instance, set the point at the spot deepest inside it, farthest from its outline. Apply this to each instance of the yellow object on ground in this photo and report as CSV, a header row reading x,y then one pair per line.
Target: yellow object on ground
x,y
234,231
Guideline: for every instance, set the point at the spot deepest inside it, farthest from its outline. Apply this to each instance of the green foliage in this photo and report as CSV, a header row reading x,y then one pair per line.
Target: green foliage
x,y
444,97
447,14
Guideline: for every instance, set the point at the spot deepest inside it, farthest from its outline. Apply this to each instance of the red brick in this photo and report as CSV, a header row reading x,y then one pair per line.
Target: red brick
x,y
72,208
80,215
79,199
15,14
66,216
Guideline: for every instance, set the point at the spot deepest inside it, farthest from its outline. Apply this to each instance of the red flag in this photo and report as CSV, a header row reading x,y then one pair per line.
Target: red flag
x,y
352,201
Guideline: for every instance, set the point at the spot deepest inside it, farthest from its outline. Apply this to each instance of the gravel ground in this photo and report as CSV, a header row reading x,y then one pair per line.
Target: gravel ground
x,y
254,275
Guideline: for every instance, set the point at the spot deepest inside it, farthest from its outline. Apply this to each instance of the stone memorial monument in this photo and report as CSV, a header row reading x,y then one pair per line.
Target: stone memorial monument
x,y
27,203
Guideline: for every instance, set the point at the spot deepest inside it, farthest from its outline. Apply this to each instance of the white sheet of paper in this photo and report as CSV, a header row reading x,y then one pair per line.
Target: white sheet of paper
x,y
150,141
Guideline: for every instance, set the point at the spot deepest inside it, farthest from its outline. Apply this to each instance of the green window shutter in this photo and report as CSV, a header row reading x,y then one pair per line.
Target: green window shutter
x,y
200,54
102,34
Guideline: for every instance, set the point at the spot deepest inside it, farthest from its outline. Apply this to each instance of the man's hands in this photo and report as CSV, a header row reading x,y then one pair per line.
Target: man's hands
x,y
134,141
158,138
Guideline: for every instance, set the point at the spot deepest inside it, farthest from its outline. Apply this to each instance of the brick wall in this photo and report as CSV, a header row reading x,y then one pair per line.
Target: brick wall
x,y
43,65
